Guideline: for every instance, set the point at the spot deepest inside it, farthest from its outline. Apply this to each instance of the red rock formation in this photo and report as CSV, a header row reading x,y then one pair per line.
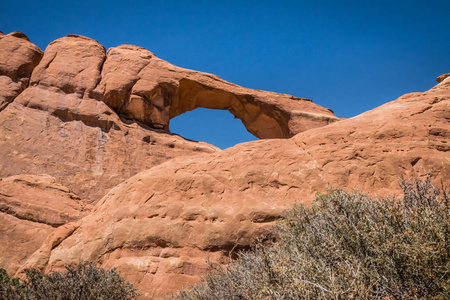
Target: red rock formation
x,y
93,119
18,57
442,77
160,226
138,85
54,127
31,207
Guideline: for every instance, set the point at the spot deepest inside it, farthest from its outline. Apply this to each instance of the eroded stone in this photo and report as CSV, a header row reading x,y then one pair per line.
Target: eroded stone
x,y
32,207
18,58
160,227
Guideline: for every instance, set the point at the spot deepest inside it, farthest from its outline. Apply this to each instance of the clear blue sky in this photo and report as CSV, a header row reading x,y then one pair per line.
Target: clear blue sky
x,y
350,56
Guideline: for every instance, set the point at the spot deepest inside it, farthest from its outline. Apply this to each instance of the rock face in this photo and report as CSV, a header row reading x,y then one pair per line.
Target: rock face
x,y
160,226
31,207
85,158
95,120
18,57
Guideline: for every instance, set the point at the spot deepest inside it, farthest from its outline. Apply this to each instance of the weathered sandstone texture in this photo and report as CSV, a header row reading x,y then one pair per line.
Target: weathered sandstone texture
x,y
161,226
18,57
138,85
93,119
31,207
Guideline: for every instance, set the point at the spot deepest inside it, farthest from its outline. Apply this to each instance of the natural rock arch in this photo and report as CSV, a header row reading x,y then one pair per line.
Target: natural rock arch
x,y
140,86
258,121
157,106
216,127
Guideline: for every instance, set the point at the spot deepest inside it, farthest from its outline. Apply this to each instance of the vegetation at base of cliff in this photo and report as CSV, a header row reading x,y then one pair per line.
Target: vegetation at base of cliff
x,y
84,282
347,246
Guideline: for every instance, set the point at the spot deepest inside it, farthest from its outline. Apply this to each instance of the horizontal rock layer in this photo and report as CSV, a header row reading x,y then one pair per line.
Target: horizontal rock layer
x,y
32,207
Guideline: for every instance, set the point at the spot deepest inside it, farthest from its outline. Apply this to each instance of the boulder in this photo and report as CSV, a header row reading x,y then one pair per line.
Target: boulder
x,y
18,58
442,77
71,64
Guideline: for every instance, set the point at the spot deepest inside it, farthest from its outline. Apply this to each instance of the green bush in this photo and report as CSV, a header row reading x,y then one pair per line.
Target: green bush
x,y
347,246
84,282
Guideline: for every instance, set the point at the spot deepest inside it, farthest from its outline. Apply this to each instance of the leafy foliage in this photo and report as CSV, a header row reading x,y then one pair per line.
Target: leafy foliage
x,y
85,281
347,246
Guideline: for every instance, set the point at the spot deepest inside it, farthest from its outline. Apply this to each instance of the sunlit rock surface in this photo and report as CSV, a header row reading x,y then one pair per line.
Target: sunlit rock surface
x,y
96,121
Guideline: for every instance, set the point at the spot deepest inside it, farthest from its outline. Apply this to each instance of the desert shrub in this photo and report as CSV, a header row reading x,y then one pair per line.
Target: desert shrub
x,y
347,246
9,288
83,282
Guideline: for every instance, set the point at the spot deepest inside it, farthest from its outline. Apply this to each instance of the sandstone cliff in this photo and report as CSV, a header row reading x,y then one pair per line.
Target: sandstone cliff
x,y
93,120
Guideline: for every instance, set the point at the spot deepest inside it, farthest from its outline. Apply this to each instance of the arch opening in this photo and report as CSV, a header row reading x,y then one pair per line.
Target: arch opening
x,y
261,121
157,106
217,127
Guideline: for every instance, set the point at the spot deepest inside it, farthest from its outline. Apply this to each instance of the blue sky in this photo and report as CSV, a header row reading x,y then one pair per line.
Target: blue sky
x,y
350,56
